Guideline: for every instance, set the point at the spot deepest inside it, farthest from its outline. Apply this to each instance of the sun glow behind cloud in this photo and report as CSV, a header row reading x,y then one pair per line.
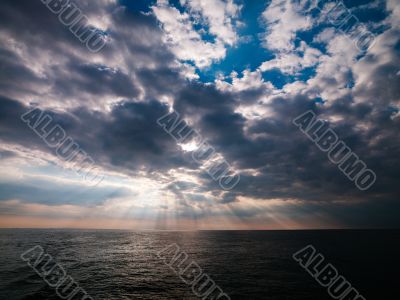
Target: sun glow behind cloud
x,y
128,202
190,146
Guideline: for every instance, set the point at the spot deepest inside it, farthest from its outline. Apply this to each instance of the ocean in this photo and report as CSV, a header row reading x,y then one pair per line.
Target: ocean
x,y
115,264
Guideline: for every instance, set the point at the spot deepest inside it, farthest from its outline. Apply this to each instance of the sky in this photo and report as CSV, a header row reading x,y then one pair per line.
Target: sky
x,y
238,73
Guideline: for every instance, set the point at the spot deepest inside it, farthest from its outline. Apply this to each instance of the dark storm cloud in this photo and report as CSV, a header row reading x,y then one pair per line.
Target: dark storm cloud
x,y
381,70
288,164
12,129
95,80
164,80
197,97
33,23
52,61
128,138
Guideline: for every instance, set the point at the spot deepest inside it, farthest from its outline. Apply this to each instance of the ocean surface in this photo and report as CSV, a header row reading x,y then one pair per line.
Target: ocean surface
x,y
112,264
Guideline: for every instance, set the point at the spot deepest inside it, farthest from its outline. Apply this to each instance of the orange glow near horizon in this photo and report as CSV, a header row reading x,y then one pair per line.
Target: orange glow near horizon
x,y
182,224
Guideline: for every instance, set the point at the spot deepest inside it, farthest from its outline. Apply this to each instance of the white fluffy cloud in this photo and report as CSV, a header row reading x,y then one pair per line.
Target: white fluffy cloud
x,y
333,73
291,63
248,81
283,19
218,15
186,41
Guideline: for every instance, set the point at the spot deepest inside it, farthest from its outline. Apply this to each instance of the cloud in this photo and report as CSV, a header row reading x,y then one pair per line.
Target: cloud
x,y
128,137
219,15
61,74
283,19
292,63
185,39
185,42
109,103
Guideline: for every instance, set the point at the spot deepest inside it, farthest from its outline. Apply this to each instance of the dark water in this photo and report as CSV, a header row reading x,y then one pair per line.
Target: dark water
x,y
245,264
